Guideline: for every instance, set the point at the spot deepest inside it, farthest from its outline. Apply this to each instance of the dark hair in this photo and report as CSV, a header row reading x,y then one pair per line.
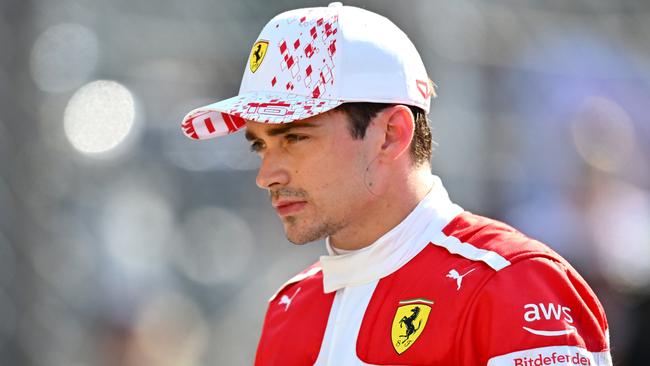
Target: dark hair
x,y
360,114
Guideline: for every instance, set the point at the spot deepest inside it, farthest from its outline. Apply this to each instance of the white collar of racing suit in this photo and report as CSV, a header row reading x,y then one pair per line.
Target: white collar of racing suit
x,y
395,248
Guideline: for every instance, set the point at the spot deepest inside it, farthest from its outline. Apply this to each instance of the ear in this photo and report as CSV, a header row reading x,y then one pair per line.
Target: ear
x,y
398,128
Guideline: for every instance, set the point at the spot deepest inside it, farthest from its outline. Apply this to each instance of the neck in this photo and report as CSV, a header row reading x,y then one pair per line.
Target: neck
x,y
397,200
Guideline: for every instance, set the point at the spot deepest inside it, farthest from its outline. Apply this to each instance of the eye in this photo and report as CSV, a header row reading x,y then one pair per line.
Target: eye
x,y
294,138
257,146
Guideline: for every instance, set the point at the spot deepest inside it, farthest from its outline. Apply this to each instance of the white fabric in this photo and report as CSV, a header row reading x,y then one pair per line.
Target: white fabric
x,y
395,248
354,275
343,325
332,250
467,250
308,61
553,356
297,278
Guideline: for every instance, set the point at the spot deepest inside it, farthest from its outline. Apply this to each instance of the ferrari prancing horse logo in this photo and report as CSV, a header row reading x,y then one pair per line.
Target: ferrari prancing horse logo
x,y
409,322
257,54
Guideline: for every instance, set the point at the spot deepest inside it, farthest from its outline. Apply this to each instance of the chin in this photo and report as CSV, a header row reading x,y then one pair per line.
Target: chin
x,y
297,242
300,236
304,231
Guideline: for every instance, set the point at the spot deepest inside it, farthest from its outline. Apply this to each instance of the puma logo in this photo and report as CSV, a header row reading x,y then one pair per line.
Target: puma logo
x,y
453,274
286,300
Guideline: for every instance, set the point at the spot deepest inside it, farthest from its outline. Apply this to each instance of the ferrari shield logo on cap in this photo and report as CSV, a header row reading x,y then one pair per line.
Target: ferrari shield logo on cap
x,y
409,322
257,54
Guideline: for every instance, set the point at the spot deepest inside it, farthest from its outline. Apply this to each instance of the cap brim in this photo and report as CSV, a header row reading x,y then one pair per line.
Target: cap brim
x,y
229,115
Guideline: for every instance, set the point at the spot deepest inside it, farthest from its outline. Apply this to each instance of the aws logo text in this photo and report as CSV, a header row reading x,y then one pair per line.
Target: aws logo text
x,y
549,311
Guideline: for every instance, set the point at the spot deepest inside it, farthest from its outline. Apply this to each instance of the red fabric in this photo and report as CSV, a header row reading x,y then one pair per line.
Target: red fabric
x,y
496,236
293,336
539,294
471,320
423,277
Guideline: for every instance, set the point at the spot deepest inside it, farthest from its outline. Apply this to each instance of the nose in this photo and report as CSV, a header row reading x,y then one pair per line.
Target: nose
x,y
272,171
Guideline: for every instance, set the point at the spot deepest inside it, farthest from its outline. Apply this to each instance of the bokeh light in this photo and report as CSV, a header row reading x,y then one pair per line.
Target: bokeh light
x,y
170,330
215,247
99,116
620,220
137,224
63,57
603,134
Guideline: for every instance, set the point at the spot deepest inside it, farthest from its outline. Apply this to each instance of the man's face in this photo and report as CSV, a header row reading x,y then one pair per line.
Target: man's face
x,y
314,171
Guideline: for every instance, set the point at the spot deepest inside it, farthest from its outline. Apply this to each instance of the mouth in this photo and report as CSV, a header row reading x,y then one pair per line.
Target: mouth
x,y
287,208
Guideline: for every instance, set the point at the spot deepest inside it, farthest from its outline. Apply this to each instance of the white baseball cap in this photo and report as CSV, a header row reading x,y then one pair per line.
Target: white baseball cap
x,y
309,61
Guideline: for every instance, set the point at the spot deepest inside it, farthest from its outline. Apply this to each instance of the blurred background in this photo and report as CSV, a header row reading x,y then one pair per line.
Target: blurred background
x,y
124,243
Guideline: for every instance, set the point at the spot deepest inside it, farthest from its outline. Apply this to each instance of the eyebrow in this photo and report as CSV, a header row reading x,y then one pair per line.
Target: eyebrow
x,y
281,129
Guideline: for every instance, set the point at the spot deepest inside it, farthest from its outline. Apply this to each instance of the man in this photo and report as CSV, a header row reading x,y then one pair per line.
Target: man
x,y
334,102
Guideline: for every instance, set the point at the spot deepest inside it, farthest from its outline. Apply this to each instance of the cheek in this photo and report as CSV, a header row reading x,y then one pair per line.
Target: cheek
x,y
335,170
342,175
348,154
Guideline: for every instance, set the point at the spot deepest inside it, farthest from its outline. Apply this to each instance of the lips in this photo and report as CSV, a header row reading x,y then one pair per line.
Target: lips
x,y
287,208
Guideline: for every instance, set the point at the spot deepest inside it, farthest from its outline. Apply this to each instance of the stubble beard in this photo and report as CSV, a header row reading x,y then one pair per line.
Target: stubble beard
x,y
310,233
296,230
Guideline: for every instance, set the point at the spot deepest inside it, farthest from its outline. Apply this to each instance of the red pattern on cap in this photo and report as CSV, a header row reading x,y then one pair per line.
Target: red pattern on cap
x,y
316,92
298,71
332,48
209,125
309,51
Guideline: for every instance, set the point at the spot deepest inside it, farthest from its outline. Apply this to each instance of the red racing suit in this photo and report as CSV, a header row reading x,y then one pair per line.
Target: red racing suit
x,y
444,287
